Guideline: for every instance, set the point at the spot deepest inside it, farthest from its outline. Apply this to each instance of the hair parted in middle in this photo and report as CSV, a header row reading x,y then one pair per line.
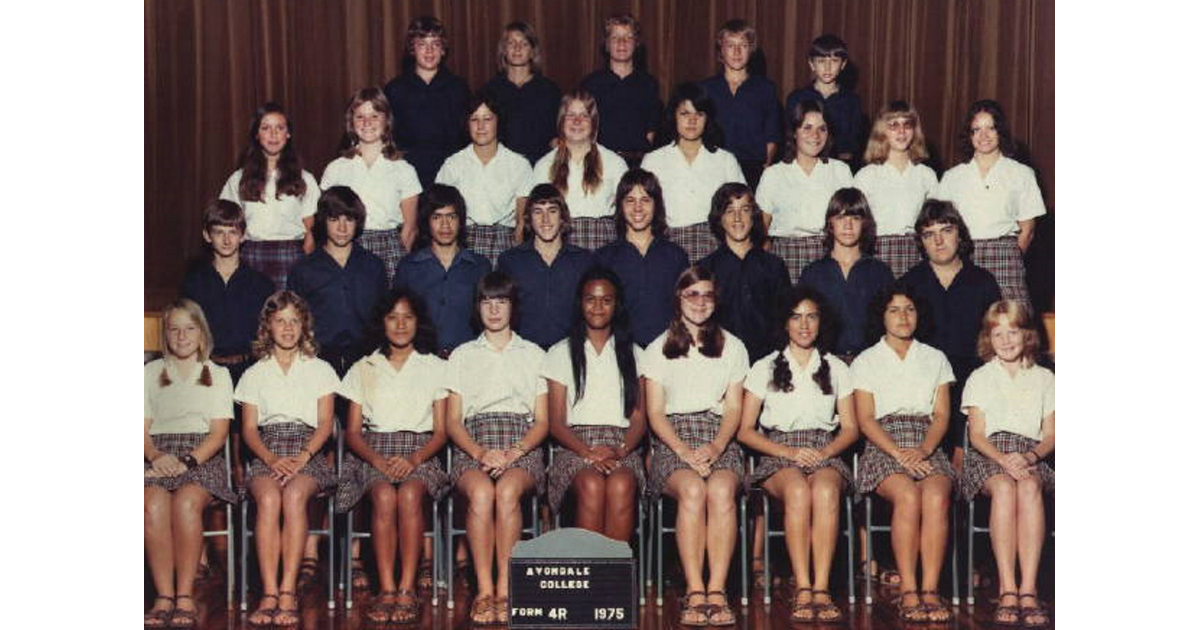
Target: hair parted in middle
x,y
678,341
290,168
348,147
877,144
795,119
633,178
526,30
1008,147
263,345
722,199
781,370
425,340
593,167
547,194
850,202
432,199
196,314
690,92
621,338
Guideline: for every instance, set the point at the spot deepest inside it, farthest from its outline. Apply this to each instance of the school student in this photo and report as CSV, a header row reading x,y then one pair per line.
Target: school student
x,y
691,164
277,195
1010,404
188,405
428,101
694,375
827,58
998,197
395,429
496,417
596,410
642,256
626,95
490,177
388,187
528,99
806,402
287,417
747,103
795,192
442,271
896,182
546,268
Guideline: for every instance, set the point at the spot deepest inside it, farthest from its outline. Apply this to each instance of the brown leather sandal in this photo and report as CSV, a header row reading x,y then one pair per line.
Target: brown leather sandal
x,y
279,619
802,612
935,611
159,618
1006,615
269,618
381,611
698,612
720,609
184,618
482,613
405,613
915,613
825,612
1035,616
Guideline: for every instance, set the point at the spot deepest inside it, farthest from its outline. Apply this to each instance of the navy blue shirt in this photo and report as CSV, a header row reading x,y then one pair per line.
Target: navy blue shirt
x,y
629,108
530,114
848,297
547,292
449,294
341,299
843,113
748,119
748,290
956,312
428,119
648,283
231,308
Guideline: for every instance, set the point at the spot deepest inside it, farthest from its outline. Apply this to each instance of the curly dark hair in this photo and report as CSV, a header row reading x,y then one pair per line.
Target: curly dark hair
x,y
781,372
1008,147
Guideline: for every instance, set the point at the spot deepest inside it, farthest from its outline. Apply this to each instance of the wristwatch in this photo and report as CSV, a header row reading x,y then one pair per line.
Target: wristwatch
x,y
189,461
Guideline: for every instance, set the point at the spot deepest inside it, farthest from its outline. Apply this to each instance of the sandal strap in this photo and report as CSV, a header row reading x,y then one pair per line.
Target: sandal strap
x,y
158,597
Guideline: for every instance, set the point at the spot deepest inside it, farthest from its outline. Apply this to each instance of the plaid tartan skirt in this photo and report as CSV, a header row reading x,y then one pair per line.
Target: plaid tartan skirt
x,y
357,476
695,429
696,239
798,252
567,463
499,430
1003,258
489,240
273,259
977,468
286,439
899,251
592,233
806,438
386,245
210,475
907,432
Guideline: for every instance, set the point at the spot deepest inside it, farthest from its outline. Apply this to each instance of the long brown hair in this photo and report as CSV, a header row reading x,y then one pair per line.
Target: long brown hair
x,y
194,311
712,339
290,180
593,168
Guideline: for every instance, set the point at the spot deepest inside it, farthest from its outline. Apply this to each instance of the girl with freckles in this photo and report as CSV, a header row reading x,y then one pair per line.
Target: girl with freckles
x,y
694,375
287,417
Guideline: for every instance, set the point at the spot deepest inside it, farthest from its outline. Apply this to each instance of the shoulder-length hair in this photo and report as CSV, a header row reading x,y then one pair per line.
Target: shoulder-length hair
x,y
496,284
1008,147
942,211
690,91
336,202
795,120
781,371
263,345
348,147
593,167
290,180
630,22
432,198
196,314
425,341
425,26
621,339
1020,317
546,194
633,178
526,30
851,202
712,339
877,144
723,198
879,303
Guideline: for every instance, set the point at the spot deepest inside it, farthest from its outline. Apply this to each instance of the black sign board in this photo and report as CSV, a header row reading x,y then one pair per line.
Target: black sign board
x,y
572,578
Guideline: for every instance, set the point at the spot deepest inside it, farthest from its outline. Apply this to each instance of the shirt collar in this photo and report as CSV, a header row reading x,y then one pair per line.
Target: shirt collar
x,y
516,343
814,361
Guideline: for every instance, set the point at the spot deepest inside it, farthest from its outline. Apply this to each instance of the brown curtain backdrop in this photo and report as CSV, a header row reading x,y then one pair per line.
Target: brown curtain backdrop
x,y
209,63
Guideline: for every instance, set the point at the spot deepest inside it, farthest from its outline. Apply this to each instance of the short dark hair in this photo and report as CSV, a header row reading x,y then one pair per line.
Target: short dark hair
x,y
649,182
829,45
851,202
721,200
713,138
939,211
224,213
426,26
546,193
496,284
1008,147
425,340
335,202
795,118
879,304
491,100
431,199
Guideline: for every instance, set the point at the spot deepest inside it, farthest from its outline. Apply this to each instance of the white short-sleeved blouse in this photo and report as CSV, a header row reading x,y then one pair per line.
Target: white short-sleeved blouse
x,y
497,380
805,407
991,206
381,186
688,188
286,397
796,200
901,386
274,219
491,189
1016,404
186,406
396,400
695,382
603,402
895,198
598,203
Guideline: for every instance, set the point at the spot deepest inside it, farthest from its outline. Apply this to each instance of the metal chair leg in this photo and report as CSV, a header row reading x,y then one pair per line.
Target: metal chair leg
x,y
745,555
766,512
850,534
870,546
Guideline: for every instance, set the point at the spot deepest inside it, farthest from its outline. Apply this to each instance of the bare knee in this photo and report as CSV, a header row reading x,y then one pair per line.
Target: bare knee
x,y
692,494
619,491
797,497
508,494
589,488
157,506
481,497
295,499
268,501
1029,491
383,498
935,496
188,504
410,497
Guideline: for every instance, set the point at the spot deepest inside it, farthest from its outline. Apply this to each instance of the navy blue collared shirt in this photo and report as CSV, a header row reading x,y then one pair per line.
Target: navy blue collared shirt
x,y
629,108
530,117
748,291
848,296
748,119
231,308
547,292
449,294
956,312
843,113
429,119
648,283
340,299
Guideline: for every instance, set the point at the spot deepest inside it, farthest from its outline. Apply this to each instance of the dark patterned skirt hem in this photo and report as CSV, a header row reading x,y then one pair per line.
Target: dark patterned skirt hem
x,y
567,463
592,233
357,476
499,430
285,439
696,239
386,245
210,475
898,251
907,432
978,468
694,429
1003,258
489,240
273,259
797,252
807,438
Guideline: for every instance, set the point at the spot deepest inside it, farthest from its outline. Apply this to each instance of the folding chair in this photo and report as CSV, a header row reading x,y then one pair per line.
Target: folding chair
x,y
230,575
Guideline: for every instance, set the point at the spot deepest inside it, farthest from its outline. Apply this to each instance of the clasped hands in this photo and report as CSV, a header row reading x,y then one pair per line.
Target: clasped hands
x,y
165,465
495,461
701,458
605,459
915,461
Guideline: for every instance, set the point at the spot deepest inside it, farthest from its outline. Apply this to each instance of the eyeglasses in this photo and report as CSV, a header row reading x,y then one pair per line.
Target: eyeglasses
x,y
900,123
699,296
574,117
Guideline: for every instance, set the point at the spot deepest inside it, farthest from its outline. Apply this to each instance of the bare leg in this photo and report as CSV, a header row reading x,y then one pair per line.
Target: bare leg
x,y
722,537
411,514
935,525
480,493
268,502
383,533
187,508
510,487
620,493
588,486
296,498
901,491
826,486
160,551
1031,532
689,492
790,487
1003,526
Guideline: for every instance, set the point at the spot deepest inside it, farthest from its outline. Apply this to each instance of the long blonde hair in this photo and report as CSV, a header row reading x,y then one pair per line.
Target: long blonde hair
x,y
263,344
193,311
877,144
593,168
